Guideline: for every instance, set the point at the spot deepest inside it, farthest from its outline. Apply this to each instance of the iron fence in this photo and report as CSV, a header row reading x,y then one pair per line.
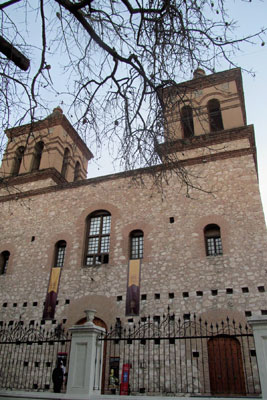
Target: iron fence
x,y
29,353
174,356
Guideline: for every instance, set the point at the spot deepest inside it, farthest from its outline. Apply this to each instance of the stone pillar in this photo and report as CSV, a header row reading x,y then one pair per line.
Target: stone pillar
x,y
259,327
86,357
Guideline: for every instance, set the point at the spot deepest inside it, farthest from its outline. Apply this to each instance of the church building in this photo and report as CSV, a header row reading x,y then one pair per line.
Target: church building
x,y
127,250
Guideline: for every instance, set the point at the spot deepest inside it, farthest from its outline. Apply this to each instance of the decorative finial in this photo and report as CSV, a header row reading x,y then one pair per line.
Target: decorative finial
x,y
198,73
90,315
58,110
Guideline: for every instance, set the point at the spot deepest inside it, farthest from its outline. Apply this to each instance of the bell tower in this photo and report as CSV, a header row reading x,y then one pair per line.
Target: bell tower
x,y
205,119
47,149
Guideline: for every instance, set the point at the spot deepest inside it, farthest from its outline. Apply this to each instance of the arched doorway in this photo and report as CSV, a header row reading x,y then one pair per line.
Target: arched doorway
x,y
226,366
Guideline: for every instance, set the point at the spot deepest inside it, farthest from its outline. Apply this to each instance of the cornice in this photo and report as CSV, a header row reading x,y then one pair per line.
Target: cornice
x,y
135,173
227,135
33,177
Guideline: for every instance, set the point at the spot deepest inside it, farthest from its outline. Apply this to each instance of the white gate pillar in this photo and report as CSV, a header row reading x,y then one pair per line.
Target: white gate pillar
x,y
259,327
86,357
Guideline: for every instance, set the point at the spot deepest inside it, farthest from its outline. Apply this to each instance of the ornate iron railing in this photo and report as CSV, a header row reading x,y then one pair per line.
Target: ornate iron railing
x,y
29,353
175,356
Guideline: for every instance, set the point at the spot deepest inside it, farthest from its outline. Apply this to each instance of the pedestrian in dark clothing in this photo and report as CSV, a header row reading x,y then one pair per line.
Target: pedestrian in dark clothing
x,y
57,377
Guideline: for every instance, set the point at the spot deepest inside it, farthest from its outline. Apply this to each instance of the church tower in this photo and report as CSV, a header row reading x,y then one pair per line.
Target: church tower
x,y
205,119
48,150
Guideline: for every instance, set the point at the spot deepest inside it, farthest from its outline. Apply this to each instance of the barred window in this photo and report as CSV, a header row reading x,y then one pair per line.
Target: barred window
x,y
187,121
4,257
98,238
60,253
213,240
136,244
215,115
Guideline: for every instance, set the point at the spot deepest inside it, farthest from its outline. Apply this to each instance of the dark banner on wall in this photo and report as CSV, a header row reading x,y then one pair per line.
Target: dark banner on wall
x,y
51,297
133,288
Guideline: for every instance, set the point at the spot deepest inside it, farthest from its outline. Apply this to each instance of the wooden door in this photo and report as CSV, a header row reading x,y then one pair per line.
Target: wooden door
x,y
226,366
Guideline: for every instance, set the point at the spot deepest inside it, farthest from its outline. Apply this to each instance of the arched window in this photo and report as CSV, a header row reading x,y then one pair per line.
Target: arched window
x,y
4,257
136,244
37,155
60,253
17,160
213,240
98,238
65,162
215,115
187,121
77,171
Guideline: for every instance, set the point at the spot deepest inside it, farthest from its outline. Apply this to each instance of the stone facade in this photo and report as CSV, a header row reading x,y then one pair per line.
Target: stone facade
x,y
38,209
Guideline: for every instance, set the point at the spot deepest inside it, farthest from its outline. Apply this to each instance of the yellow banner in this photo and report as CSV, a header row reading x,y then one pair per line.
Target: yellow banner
x,y
134,272
54,280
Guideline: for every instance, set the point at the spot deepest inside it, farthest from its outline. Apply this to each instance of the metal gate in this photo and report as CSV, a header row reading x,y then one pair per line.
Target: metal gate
x,y
29,353
174,356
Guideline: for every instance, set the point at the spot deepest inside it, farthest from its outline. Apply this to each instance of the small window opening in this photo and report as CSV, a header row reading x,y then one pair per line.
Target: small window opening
x,y
171,220
213,240
171,295
17,160
60,253
215,115
187,121
185,294
136,244
4,258
245,289
77,171
37,155
214,292
65,163
143,297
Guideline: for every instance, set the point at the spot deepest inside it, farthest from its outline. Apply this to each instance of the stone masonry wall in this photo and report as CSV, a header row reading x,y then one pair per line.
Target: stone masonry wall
x,y
175,264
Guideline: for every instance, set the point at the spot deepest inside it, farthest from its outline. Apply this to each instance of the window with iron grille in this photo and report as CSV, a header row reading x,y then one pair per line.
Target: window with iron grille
x,y
98,238
213,240
4,257
136,244
60,253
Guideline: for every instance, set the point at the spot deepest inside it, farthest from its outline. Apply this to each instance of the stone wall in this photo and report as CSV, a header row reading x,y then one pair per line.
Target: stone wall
x,y
175,265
